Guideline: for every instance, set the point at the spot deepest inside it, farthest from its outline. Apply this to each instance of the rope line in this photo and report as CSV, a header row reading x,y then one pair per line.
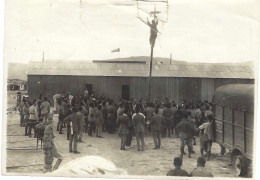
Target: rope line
x,y
10,167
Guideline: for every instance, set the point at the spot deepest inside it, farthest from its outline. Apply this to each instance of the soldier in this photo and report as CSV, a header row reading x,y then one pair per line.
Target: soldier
x,y
168,117
26,117
139,122
99,121
33,118
156,123
45,109
177,171
82,122
91,119
104,114
185,130
20,109
111,116
149,114
49,148
124,131
75,128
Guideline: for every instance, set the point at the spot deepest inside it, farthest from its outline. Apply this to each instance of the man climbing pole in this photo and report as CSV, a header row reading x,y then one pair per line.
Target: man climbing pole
x,y
153,30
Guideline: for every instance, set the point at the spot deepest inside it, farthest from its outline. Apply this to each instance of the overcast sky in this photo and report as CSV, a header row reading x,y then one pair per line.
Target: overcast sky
x,y
193,30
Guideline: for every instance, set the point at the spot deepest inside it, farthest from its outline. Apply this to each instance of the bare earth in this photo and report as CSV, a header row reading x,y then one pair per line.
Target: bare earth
x,y
23,158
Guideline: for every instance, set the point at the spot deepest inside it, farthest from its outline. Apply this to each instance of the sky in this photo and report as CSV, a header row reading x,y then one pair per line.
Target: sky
x,y
190,30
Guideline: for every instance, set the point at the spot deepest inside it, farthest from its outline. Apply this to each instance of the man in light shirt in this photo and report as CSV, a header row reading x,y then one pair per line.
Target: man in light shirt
x,y
201,171
208,133
55,98
45,109
33,118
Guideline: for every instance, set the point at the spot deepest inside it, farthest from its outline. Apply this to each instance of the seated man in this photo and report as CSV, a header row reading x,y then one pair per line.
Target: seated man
x,y
177,171
201,171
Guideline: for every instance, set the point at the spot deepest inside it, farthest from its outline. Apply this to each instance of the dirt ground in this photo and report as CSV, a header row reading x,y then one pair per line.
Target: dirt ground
x,y
23,158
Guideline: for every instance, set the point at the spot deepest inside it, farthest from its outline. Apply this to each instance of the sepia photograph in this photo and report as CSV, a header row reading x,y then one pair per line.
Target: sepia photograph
x,y
137,89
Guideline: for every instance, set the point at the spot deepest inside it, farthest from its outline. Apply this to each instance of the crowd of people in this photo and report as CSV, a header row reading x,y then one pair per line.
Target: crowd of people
x,y
94,115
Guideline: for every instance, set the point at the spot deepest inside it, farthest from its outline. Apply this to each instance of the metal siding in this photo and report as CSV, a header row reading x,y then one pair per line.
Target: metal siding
x,y
207,89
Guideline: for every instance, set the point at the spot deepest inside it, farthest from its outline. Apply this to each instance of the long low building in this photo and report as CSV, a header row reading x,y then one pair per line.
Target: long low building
x,y
128,78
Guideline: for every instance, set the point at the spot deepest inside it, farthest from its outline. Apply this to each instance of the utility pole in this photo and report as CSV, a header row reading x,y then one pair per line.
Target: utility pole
x,y
153,36
43,56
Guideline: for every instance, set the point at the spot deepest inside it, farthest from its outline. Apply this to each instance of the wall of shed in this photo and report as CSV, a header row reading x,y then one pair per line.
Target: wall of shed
x,y
190,89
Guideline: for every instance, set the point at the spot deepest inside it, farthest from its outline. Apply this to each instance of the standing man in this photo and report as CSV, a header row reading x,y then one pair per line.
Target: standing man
x,y
149,114
82,122
75,128
49,148
33,117
26,117
168,117
55,98
45,109
104,113
124,131
185,131
60,117
156,123
111,116
91,119
139,122
20,109
99,121
208,134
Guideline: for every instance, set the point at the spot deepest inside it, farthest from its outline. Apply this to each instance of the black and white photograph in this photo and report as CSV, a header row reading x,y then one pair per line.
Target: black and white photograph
x,y
130,88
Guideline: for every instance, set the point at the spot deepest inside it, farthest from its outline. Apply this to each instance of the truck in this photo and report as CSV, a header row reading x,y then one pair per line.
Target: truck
x,y
233,110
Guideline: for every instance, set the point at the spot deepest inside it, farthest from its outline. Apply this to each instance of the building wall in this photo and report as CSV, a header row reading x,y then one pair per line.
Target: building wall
x,y
191,89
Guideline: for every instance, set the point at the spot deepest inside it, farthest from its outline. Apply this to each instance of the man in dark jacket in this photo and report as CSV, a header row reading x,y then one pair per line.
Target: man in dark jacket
x,y
75,128
185,130
156,123
124,131
139,122
168,118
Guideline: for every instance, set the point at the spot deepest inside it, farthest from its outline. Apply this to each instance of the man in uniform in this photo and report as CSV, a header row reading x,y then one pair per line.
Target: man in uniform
x,y
185,131
168,117
75,128
139,122
49,148
45,109
156,123
20,109
124,131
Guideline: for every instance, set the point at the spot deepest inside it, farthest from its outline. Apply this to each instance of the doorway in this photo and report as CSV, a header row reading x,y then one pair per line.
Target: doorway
x,y
126,92
88,89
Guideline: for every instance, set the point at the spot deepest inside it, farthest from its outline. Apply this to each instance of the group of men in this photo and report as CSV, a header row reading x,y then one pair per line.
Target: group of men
x,y
94,115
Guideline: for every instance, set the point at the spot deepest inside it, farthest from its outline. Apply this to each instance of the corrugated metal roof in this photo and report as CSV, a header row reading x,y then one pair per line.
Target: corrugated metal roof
x,y
176,69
